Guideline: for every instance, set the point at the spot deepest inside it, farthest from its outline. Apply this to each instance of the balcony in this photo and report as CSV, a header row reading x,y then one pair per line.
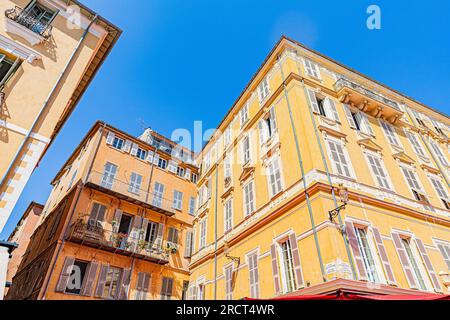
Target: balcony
x,y
95,236
367,100
124,191
26,25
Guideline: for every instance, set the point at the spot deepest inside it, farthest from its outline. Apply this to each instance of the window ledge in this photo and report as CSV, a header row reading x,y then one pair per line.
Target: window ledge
x,y
15,28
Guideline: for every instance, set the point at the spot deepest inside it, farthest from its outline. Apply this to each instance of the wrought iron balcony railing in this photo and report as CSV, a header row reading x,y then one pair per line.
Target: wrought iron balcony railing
x,y
341,83
29,21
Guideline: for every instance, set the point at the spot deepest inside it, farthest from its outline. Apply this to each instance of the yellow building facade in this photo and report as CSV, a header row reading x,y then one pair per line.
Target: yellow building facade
x,y
50,51
306,134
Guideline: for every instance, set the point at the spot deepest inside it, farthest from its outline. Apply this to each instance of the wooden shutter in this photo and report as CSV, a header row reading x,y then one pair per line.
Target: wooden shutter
x,y
296,258
159,236
101,281
135,232
445,251
156,159
146,284
134,149
275,271
89,279
404,260
110,138
262,131
150,156
140,285
127,146
188,245
65,274
348,114
143,231
273,119
330,106
427,261
117,218
362,273
366,123
313,100
383,255
124,284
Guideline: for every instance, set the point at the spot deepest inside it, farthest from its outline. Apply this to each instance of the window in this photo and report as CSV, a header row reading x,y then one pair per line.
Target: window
x,y
184,290
177,200
173,236
135,183
142,286
274,173
162,163
366,253
97,214
358,120
442,194
412,260
253,275
76,277
378,171
36,17
249,199
109,174
267,126
141,153
438,127
72,179
158,194
341,165
191,206
243,114
166,289
7,69
181,172
201,292
228,215
227,137
322,105
202,234
445,251
229,283
413,183
118,143
263,90
111,289
287,266
390,134
312,69
189,244
438,153
227,171
151,233
194,178
246,149
415,144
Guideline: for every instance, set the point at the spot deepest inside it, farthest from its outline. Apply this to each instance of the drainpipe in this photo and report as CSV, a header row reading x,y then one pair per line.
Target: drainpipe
x,y
47,101
300,161
215,234
316,132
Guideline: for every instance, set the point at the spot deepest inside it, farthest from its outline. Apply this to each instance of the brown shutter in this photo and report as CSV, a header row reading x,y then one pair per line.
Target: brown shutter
x,y
427,261
65,274
404,260
144,229
296,258
349,228
101,281
146,282
124,284
117,218
383,255
89,279
276,276
160,235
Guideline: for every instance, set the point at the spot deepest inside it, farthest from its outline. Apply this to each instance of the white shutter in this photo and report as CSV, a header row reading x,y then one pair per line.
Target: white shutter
x,y
127,146
366,123
273,120
187,174
134,149
330,108
348,114
313,100
262,131
110,138
172,166
150,156
156,159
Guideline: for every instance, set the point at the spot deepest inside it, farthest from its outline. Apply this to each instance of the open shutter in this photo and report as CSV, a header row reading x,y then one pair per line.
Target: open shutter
x,y
330,106
350,230
159,237
156,159
187,175
117,218
348,114
427,261
445,251
366,123
313,100
124,284
127,146
134,149
88,285
65,274
404,260
275,272
296,258
135,232
273,119
110,138
262,131
188,244
150,156
383,255
143,230
101,281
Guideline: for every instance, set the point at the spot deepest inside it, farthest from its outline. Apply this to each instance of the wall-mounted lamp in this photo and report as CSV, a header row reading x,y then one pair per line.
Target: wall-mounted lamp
x,y
343,196
226,251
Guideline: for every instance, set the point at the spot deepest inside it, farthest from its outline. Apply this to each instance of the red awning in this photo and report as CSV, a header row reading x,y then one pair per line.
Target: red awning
x,y
347,296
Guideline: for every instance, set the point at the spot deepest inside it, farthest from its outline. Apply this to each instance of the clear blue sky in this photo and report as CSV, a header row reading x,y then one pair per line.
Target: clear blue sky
x,y
180,61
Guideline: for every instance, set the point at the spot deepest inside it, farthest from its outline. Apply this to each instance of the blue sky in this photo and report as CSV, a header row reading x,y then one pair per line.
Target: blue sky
x,y
180,61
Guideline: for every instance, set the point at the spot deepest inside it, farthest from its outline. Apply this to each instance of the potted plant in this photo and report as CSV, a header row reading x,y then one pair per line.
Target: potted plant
x,y
171,247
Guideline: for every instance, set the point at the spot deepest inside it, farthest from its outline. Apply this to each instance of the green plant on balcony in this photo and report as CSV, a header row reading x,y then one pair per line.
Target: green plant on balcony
x,y
171,248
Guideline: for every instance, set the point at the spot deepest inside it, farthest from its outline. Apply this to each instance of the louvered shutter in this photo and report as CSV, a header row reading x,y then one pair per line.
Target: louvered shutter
x,y
366,123
88,285
127,146
172,166
156,159
110,138
263,136
404,260
348,114
124,284
65,274
429,265
150,156
117,218
273,119
296,258
135,231
445,251
330,107
159,236
383,255
313,100
134,149
188,244
146,285
187,175
139,286
143,230
275,271
350,230
101,281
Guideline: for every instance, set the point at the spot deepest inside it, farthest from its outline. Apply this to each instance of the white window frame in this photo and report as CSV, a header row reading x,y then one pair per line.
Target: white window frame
x,y
192,205
416,144
249,206
263,90
282,266
421,190
312,69
255,288
438,181
246,152
134,185
387,177
118,139
270,162
177,200
228,215
391,134
227,136
141,153
439,154
203,233
244,114
342,144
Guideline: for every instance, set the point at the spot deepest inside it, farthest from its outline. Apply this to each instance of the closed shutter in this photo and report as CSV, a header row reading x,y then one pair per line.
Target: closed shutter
x,y
146,285
430,269
110,138
296,258
124,284
88,285
187,175
139,286
348,114
127,146
383,255
350,230
188,244
275,271
117,218
150,156
134,149
445,251
65,274
156,159
330,107
404,260
172,166
313,100
159,237
101,281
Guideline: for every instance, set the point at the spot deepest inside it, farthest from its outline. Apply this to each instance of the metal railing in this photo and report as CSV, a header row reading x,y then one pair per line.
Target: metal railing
x,y
92,233
153,199
29,21
375,96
